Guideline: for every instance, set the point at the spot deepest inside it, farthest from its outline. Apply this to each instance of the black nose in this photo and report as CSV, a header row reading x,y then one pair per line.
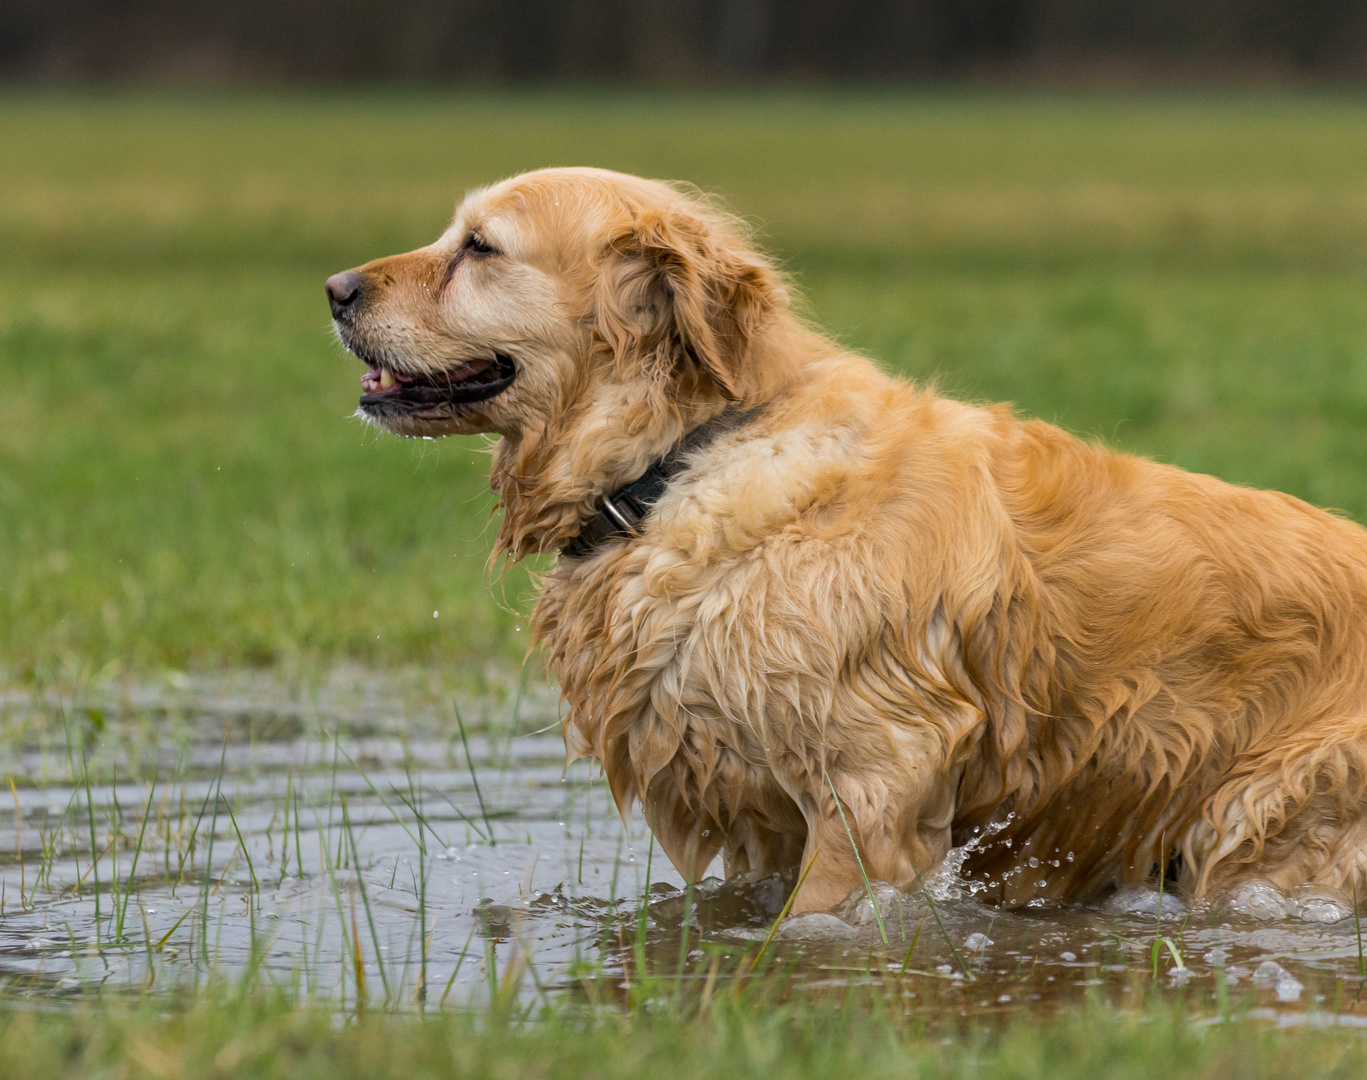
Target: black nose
x,y
344,290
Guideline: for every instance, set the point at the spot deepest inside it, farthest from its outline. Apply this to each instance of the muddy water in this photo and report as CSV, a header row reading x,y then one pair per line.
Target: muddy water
x,y
344,840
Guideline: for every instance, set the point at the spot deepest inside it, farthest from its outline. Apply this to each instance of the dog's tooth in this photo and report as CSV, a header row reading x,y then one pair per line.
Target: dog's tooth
x,y
386,378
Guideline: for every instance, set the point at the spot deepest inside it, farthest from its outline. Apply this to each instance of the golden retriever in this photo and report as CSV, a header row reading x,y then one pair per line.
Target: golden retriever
x,y
848,600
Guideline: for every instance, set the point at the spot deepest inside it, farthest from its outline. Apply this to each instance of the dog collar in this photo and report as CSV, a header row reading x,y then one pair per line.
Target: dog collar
x,y
623,511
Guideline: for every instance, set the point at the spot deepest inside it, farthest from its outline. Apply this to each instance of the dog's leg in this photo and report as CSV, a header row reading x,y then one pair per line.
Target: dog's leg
x,y
742,813
833,874
751,846
860,837
690,839
1289,822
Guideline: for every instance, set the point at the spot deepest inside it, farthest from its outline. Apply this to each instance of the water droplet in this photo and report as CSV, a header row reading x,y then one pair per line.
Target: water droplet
x,y
1041,883
707,832
435,614
518,629
1067,957
1034,862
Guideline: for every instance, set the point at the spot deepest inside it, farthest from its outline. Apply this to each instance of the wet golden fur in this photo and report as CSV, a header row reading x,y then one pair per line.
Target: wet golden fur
x,y
954,618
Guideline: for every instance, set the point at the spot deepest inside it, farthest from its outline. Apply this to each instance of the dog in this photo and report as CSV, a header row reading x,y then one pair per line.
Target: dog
x,y
812,616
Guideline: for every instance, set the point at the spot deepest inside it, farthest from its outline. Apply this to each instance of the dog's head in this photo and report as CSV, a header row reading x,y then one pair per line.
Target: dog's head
x,y
561,298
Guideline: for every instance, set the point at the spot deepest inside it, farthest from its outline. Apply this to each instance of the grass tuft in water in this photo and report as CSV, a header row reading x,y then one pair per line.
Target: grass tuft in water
x,y
868,887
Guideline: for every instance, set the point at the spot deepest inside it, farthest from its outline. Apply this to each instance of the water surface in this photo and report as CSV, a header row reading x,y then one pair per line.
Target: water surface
x,y
342,839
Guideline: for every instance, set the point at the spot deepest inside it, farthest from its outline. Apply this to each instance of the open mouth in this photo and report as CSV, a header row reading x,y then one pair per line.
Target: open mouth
x,y
386,392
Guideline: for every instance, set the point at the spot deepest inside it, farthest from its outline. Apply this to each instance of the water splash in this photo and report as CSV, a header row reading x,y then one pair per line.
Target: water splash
x,y
1263,900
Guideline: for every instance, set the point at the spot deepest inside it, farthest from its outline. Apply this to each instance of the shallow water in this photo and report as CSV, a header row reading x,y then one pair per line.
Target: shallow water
x,y
339,838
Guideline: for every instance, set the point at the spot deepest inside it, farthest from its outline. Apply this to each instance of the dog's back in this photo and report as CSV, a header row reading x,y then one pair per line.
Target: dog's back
x,y
1192,659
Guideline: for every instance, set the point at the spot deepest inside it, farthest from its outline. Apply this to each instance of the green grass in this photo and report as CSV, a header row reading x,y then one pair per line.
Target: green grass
x,y
264,1037
180,485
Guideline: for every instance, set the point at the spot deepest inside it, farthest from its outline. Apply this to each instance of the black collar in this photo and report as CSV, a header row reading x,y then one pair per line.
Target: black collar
x,y
624,510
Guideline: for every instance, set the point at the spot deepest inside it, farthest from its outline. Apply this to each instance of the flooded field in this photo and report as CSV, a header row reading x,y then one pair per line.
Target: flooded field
x,y
392,841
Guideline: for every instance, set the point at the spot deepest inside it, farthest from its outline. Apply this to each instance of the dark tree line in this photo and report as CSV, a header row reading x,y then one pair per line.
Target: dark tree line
x,y
477,40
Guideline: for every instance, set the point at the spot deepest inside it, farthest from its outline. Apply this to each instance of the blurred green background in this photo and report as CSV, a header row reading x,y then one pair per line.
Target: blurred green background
x,y
181,485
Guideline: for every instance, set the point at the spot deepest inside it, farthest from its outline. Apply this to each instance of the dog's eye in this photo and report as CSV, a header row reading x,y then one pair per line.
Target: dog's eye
x,y
477,245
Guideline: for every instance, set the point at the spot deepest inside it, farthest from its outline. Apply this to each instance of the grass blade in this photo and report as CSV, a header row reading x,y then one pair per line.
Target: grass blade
x,y
161,942
868,888
783,914
133,870
935,914
1357,925
906,960
18,842
459,962
359,957
256,885
365,898
470,764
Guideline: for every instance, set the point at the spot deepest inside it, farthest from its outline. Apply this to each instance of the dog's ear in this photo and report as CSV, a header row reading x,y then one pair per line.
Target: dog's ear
x,y
675,290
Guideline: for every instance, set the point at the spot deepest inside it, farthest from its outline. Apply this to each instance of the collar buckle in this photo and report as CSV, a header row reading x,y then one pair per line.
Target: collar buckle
x,y
625,510
619,514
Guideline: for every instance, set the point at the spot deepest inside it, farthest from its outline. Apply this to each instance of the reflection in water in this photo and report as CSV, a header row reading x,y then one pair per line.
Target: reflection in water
x,y
349,841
